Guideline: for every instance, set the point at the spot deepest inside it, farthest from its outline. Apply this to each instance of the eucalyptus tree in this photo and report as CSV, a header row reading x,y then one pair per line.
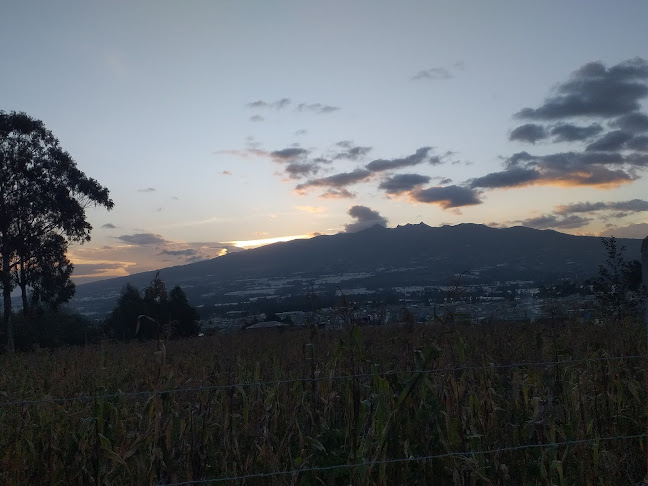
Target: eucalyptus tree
x,y
49,277
41,265
42,193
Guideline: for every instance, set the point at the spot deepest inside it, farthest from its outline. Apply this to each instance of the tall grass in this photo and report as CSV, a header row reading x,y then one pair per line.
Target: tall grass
x,y
364,395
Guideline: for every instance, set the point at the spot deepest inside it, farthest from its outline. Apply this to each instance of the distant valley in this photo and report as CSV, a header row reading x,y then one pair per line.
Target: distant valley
x,y
369,262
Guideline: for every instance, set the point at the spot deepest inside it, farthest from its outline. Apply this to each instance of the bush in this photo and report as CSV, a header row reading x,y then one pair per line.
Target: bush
x,y
50,329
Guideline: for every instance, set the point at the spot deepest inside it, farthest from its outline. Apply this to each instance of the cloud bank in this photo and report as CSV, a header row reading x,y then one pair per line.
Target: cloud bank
x,y
609,149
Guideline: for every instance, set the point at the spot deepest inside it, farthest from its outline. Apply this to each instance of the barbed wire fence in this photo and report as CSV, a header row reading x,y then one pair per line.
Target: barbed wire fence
x,y
321,378
405,460
335,378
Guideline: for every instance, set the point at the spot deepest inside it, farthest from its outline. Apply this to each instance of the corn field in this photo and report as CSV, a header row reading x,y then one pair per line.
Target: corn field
x,y
499,404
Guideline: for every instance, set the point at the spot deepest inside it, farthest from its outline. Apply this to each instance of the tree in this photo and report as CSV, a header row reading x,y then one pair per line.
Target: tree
x,y
44,267
618,282
121,321
155,299
51,281
182,314
158,313
42,194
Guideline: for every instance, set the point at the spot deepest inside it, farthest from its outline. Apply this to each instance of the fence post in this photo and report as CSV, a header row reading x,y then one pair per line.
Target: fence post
x,y
644,283
644,280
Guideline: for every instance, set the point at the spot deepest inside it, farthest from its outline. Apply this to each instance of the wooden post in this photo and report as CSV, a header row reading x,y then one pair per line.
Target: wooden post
x,y
644,283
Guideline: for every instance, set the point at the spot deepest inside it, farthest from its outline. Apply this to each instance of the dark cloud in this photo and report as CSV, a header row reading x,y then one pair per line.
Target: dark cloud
x,y
337,180
513,177
285,102
420,156
337,194
297,163
401,183
596,91
594,176
585,207
277,105
147,189
141,239
638,143
637,160
530,132
364,218
632,122
81,269
301,132
317,108
282,103
567,132
432,74
447,196
351,151
108,226
297,170
611,141
258,104
632,206
518,159
185,252
288,154
578,160
589,168
552,221
256,118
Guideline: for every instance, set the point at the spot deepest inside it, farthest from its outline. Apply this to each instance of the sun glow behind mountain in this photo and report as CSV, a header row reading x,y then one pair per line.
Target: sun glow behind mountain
x,y
267,241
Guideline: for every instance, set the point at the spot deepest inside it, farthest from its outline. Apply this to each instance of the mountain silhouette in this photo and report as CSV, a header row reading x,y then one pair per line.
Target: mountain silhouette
x,y
412,254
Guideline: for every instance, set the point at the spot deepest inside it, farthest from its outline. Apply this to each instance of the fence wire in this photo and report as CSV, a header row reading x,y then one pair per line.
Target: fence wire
x,y
404,460
320,378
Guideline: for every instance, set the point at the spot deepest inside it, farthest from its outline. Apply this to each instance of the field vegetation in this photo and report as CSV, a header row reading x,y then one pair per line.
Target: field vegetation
x,y
553,403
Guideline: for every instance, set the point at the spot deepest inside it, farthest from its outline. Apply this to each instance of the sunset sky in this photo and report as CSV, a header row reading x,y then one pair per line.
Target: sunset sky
x,y
218,125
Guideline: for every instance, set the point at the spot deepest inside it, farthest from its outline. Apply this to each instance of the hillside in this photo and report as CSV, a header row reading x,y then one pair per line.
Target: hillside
x,y
378,257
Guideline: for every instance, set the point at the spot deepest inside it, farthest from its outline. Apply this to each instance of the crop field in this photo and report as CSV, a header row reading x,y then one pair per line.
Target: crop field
x,y
498,404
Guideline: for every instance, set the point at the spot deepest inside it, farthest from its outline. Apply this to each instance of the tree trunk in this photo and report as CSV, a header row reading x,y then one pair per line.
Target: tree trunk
x,y
23,289
6,298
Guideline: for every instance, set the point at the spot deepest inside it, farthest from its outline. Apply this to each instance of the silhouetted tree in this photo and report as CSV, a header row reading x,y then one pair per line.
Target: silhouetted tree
x,y
160,314
182,314
618,282
42,192
155,298
52,284
123,318
43,267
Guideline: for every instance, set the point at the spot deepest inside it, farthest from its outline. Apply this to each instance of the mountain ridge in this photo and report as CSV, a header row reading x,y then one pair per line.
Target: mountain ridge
x,y
407,254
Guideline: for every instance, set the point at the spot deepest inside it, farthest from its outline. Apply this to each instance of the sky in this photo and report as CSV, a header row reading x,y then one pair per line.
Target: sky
x,y
222,125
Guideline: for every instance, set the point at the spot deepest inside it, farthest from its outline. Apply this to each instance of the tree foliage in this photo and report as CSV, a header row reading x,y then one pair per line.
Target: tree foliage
x,y
618,283
121,322
47,271
166,312
47,328
43,198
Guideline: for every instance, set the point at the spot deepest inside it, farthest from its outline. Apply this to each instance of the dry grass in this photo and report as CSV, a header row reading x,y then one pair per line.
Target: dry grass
x,y
173,437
